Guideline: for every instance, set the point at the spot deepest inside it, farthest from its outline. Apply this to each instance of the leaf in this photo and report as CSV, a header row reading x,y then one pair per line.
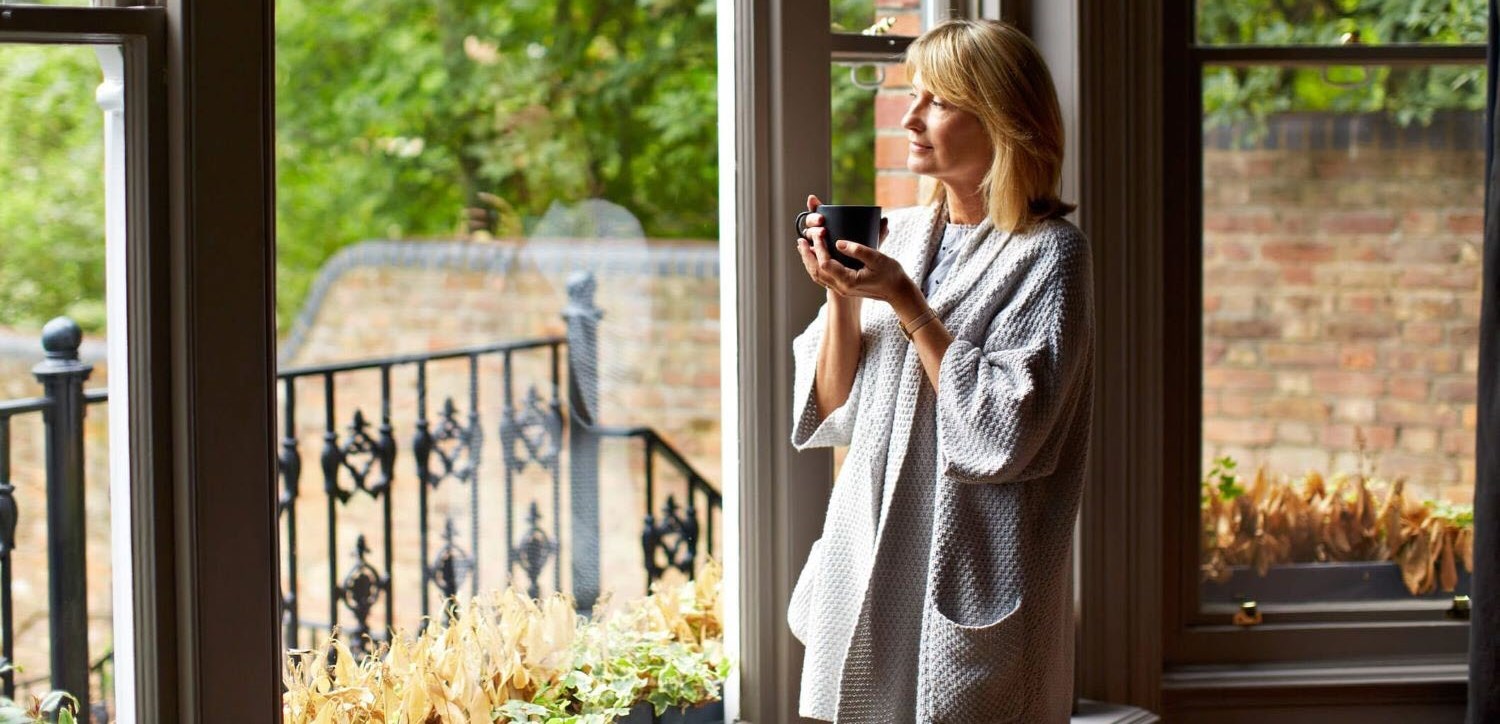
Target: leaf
x,y
1447,567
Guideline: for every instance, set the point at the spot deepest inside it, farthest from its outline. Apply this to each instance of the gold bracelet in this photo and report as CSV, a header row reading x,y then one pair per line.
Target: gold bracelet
x,y
910,328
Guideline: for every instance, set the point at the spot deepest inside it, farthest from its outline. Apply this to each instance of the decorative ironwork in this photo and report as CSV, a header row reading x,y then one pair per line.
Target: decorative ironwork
x,y
453,443
289,465
538,429
385,447
453,564
534,551
359,592
9,516
360,453
675,536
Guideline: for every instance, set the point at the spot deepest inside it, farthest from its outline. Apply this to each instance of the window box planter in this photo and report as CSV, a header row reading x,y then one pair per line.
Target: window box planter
x,y
710,713
1321,583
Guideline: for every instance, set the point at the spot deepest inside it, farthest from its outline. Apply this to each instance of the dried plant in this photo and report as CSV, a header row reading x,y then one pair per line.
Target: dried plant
x,y
509,658
1354,517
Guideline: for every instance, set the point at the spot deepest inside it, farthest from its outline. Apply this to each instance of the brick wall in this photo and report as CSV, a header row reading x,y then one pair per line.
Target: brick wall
x,y
1341,290
895,187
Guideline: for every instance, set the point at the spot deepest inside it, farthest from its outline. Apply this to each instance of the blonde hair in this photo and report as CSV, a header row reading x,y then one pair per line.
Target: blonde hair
x,y
995,72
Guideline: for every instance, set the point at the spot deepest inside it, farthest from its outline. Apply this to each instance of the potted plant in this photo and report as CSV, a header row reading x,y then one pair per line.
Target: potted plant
x,y
56,707
509,658
1354,537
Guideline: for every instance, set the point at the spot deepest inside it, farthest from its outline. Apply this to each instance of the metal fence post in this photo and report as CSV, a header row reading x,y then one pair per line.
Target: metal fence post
x,y
582,317
62,376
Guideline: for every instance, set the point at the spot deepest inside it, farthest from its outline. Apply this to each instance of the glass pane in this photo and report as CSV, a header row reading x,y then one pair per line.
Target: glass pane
x,y
894,17
868,142
854,132
502,223
55,577
1342,233
851,16
1325,22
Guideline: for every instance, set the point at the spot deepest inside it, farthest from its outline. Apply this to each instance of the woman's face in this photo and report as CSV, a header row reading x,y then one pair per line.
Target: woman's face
x,y
944,142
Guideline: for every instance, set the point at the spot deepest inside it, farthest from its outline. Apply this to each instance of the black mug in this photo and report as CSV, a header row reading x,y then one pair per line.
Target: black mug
x,y
859,224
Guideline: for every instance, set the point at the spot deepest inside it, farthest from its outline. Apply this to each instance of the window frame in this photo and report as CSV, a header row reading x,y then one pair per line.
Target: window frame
x,y
222,335
143,690
200,340
1313,633
775,497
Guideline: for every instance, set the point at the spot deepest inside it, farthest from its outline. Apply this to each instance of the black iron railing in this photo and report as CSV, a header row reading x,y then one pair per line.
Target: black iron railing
x,y
62,408
545,423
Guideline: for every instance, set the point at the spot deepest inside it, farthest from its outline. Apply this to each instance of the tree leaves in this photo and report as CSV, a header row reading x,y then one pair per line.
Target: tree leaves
x,y
51,188
1411,95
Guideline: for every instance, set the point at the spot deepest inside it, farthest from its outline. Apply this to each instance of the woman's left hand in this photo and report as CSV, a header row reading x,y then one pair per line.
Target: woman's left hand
x,y
882,278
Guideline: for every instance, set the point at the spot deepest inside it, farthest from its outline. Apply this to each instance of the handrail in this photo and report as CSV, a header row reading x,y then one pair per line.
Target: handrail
x,y
420,357
673,455
11,408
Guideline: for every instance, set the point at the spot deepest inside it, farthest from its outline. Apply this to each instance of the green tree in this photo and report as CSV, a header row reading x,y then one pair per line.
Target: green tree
x,y
394,116
1409,94
52,203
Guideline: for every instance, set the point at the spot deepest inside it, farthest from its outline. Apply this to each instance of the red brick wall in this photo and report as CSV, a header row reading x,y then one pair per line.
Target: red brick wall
x,y
895,187
1341,290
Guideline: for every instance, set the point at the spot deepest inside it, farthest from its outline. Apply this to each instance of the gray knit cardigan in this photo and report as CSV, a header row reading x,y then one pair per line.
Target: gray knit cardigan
x,y
939,591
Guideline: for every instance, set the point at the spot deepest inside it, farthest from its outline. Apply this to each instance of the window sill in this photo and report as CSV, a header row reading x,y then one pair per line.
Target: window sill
x,y
1426,670
1396,690
1098,712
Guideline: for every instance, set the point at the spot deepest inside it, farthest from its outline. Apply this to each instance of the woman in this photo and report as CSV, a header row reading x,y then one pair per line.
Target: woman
x,y
957,365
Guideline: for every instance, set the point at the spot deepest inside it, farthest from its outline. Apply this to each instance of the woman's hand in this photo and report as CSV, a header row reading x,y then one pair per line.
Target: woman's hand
x,y
882,278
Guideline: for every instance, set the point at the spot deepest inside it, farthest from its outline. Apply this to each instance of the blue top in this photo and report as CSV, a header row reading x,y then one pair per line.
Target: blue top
x,y
953,235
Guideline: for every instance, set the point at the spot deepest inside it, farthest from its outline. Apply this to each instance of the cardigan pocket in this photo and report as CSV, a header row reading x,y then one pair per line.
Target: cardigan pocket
x,y
800,608
970,673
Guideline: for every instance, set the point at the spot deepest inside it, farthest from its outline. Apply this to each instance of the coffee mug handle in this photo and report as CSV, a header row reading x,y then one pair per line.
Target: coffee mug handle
x,y
802,230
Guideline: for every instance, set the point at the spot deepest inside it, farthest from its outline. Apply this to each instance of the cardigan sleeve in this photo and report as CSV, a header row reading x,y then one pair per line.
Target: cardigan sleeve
x,y
998,404
807,430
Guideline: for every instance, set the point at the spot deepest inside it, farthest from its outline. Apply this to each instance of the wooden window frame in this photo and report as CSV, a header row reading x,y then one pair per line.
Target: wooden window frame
x,y
1332,632
200,338
1337,659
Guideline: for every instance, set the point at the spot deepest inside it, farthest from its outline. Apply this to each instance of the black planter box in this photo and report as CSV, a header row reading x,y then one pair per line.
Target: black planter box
x,y
1321,583
712,713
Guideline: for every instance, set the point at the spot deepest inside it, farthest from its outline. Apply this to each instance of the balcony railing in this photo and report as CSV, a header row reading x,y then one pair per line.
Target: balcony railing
x,y
553,422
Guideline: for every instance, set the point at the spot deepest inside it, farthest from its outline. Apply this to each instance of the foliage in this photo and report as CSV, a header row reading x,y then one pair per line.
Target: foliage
x,y
1355,517
58,707
1409,95
52,208
393,117
1221,476
512,658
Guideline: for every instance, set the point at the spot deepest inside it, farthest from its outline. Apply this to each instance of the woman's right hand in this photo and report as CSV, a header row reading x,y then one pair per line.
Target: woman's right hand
x,y
814,243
